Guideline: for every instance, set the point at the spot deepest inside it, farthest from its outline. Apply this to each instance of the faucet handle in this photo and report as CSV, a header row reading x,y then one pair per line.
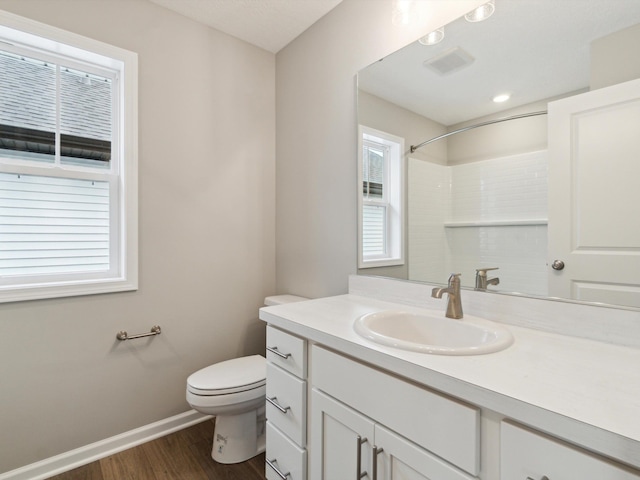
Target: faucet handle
x,y
483,271
454,277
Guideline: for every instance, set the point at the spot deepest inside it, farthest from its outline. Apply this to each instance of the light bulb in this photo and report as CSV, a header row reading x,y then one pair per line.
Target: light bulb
x,y
503,97
481,13
432,38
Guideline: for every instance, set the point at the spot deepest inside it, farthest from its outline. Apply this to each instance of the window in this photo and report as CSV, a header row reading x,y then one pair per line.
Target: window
x,y
68,163
380,175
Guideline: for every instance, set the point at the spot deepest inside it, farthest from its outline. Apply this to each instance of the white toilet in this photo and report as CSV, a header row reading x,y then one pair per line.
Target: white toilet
x,y
234,391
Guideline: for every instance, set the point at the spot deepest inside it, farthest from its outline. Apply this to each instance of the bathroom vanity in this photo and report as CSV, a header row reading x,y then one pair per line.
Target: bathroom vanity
x,y
341,407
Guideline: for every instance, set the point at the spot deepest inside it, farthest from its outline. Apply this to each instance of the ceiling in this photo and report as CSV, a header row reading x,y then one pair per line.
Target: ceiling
x,y
268,24
535,49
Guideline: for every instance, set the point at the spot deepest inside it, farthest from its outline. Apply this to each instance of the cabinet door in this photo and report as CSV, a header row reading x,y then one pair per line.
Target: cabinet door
x,y
525,454
339,437
401,459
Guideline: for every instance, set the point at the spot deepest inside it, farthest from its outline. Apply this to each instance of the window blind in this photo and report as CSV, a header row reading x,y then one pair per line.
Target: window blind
x,y
374,229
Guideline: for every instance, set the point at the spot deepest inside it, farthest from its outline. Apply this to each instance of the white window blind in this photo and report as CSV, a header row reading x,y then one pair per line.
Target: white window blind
x,y
53,225
374,226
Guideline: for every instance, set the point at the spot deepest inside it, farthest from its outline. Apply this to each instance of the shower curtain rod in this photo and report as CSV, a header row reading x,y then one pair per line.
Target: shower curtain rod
x,y
482,124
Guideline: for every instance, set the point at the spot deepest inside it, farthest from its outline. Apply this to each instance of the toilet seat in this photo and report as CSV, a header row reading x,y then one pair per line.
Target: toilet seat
x,y
235,376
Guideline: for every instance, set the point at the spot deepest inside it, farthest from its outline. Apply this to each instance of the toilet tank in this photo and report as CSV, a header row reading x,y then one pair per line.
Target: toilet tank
x,y
281,299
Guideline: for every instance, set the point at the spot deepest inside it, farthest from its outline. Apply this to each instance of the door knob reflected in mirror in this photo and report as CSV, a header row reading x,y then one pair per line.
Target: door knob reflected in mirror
x,y
557,265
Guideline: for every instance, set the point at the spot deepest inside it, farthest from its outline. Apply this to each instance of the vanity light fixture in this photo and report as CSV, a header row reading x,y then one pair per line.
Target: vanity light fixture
x,y
502,97
481,13
432,38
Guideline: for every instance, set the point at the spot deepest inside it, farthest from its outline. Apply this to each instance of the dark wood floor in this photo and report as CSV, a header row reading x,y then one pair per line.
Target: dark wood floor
x,y
184,455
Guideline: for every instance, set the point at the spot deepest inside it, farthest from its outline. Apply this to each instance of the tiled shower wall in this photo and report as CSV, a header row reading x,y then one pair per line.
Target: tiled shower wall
x,y
484,214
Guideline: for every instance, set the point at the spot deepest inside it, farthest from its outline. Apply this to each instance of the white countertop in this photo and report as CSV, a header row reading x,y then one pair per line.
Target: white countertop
x,y
584,391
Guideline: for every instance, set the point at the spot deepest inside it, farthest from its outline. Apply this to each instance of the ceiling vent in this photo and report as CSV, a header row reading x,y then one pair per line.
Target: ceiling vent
x,y
449,61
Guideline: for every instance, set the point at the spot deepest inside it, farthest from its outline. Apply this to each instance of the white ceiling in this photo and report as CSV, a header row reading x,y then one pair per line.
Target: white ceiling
x,y
535,49
268,24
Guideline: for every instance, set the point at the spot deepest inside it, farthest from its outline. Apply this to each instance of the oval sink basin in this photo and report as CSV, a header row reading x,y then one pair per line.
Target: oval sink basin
x,y
427,333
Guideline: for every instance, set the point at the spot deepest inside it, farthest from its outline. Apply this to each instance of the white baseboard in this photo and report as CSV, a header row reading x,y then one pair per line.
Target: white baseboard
x,y
90,453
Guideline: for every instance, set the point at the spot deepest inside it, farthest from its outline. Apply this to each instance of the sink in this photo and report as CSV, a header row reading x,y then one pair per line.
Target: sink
x,y
433,333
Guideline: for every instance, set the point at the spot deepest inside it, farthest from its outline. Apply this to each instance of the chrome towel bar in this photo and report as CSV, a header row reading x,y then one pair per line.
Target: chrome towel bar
x,y
123,335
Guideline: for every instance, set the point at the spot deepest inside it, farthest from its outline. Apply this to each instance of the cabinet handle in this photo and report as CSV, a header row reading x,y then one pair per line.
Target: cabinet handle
x,y
272,463
376,451
544,477
359,441
277,352
273,402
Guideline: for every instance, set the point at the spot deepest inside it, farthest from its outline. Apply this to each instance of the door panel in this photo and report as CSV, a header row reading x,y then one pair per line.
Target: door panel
x,y
594,195
401,459
336,429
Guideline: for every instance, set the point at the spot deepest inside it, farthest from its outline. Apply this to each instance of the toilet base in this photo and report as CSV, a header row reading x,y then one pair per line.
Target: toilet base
x,y
237,438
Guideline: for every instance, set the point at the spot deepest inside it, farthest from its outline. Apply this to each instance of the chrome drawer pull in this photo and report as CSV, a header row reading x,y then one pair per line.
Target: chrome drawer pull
x,y
272,463
359,441
375,452
273,402
277,352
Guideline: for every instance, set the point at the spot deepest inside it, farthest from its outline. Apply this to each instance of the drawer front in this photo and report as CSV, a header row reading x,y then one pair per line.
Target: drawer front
x,y
442,425
289,393
287,351
284,455
527,454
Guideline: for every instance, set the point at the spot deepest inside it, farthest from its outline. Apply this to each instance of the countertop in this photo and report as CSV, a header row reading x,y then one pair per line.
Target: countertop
x,y
585,391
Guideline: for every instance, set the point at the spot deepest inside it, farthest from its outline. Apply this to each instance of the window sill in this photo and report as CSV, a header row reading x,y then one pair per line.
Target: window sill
x,y
382,262
43,291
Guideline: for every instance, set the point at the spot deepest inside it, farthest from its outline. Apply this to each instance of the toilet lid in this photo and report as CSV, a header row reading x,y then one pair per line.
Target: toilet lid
x,y
231,375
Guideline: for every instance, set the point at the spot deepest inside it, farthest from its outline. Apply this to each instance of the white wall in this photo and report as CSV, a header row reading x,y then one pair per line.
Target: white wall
x,y
207,241
316,136
613,60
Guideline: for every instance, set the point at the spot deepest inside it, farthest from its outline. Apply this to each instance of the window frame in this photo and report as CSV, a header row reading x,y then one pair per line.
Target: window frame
x,y
393,194
26,36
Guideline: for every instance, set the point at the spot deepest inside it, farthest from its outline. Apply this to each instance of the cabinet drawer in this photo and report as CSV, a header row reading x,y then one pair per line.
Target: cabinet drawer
x,y
442,425
290,393
287,351
528,454
284,455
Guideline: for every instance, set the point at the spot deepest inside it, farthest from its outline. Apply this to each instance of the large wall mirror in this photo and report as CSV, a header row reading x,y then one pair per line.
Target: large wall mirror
x,y
538,194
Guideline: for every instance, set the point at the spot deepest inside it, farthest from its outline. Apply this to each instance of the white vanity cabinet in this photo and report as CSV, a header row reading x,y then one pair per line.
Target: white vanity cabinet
x,y
286,407
529,455
333,416
356,410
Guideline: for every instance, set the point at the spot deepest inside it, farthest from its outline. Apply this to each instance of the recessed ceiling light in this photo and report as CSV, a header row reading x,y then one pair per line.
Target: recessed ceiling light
x,y
432,38
503,97
481,13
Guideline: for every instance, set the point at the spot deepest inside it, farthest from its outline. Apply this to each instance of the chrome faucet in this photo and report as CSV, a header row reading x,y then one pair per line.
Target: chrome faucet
x,y
482,282
454,305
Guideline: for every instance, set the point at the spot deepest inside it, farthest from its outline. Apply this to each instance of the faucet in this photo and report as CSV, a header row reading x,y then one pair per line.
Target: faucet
x,y
481,278
454,305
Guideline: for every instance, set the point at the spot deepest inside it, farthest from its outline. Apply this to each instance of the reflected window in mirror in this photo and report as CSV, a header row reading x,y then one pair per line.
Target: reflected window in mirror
x,y
380,210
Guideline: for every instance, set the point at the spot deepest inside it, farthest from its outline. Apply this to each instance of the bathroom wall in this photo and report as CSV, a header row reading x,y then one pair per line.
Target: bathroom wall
x,y
316,136
207,241
612,61
484,214
429,206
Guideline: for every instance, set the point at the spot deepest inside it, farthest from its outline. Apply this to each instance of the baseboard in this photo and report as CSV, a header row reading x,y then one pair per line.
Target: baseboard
x,y
95,451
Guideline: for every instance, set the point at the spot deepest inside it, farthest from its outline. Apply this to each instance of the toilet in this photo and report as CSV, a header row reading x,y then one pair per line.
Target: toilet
x,y
234,392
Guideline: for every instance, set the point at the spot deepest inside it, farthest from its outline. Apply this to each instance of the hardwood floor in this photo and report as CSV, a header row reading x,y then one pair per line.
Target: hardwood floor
x,y
183,455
